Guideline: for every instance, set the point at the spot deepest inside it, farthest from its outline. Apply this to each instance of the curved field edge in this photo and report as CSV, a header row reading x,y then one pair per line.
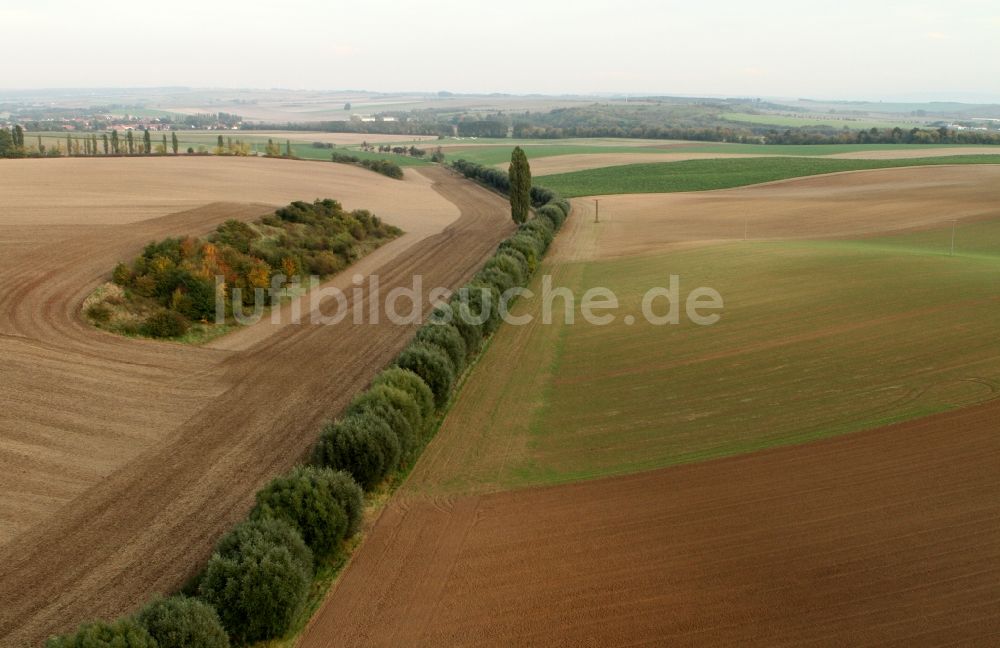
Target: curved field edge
x,y
725,173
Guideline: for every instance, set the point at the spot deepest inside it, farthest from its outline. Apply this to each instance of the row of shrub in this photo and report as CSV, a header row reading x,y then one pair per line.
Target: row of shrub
x,y
259,576
499,180
385,167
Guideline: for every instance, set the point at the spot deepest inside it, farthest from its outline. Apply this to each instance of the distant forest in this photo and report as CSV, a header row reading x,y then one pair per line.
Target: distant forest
x,y
697,120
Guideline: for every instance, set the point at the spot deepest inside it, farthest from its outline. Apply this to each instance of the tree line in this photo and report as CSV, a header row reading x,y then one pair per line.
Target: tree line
x,y
259,576
13,145
385,167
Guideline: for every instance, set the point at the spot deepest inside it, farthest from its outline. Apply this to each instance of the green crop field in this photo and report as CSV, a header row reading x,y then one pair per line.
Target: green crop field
x,y
490,155
704,175
816,339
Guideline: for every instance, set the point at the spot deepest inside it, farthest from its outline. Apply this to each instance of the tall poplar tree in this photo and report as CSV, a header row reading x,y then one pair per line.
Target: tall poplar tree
x,y
520,185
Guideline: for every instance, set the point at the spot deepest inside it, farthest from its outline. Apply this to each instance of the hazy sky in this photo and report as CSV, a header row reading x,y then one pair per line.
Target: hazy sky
x,y
867,49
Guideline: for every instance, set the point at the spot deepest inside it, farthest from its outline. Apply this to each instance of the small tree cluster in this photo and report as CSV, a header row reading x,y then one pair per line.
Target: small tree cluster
x,y
173,281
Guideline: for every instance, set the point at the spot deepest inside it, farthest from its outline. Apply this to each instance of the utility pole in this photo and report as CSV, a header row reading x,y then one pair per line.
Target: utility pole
x,y
597,211
954,225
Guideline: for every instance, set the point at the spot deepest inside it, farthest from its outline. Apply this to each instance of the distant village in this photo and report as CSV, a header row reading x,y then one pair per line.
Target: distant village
x,y
40,120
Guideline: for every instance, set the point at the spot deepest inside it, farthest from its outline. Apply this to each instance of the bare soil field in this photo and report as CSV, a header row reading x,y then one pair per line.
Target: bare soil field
x,y
855,203
123,460
887,537
114,191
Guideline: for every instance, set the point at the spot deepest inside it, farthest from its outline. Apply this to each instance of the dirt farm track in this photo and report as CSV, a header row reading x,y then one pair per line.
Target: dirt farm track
x,y
123,460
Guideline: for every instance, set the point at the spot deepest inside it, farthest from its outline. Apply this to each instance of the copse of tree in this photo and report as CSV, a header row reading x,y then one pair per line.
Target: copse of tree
x,y
257,582
324,506
183,622
174,144
433,367
172,283
124,633
364,446
147,142
519,174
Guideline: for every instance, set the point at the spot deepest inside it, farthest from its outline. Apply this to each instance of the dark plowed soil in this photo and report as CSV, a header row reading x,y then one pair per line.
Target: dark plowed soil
x,y
887,537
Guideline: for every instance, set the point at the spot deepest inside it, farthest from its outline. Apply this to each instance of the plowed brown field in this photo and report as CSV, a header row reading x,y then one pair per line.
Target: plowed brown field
x,y
121,461
839,205
887,537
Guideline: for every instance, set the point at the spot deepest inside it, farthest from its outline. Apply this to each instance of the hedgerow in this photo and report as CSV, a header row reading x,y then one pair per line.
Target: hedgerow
x,y
260,573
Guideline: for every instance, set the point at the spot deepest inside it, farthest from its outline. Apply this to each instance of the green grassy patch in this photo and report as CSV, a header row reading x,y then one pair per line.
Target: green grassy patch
x,y
705,175
816,339
490,155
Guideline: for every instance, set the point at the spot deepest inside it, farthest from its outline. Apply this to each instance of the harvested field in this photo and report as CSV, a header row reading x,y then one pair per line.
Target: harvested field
x,y
837,205
882,538
124,460
114,191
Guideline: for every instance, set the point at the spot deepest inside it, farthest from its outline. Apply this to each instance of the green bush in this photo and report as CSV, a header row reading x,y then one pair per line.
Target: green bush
x,y
364,446
506,262
542,229
165,324
183,622
478,304
527,247
471,334
447,338
99,312
496,278
412,384
318,502
432,365
124,633
397,409
553,214
258,584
